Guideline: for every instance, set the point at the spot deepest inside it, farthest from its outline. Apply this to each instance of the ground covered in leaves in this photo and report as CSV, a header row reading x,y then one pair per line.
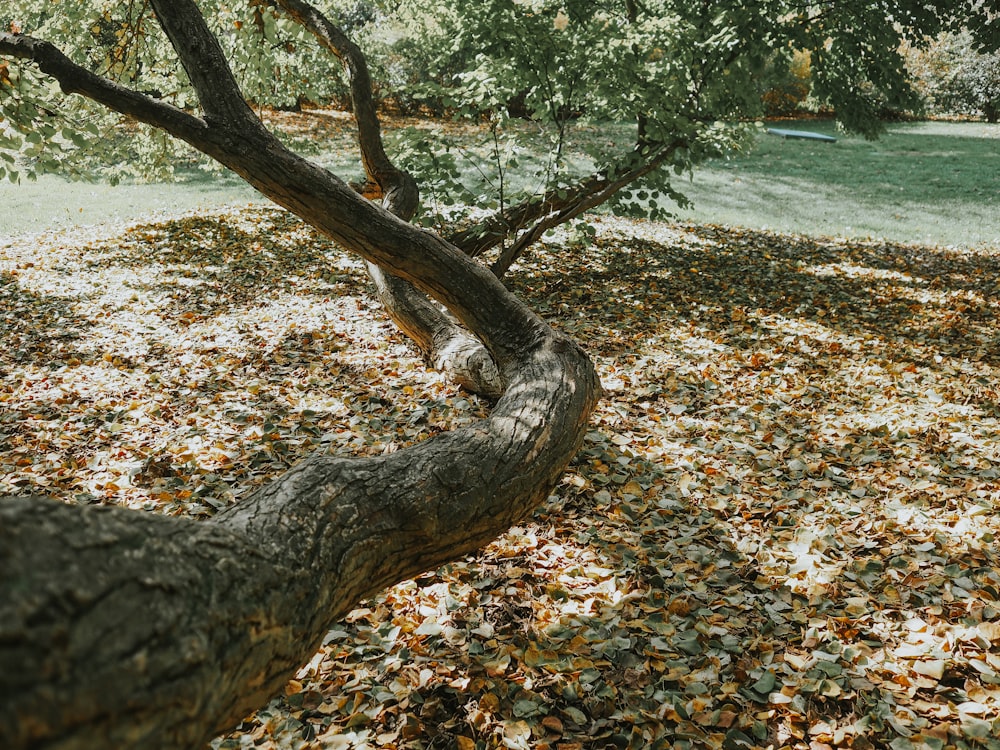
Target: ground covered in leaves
x,y
780,532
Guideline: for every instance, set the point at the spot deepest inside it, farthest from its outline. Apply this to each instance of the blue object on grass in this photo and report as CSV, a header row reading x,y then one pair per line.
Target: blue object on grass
x,y
802,134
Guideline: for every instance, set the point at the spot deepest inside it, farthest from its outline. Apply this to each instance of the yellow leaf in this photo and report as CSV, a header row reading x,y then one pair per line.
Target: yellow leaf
x,y
632,487
989,630
933,668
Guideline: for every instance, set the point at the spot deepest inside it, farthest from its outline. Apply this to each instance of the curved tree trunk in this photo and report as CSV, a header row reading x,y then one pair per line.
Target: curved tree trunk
x,y
444,345
120,629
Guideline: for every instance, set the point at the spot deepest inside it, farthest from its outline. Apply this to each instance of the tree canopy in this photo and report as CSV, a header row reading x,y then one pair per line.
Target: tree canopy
x,y
683,80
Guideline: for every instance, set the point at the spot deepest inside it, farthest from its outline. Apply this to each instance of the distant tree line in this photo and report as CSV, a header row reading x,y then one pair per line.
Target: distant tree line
x,y
954,78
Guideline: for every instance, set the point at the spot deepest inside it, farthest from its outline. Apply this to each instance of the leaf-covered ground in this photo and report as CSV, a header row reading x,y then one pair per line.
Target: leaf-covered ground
x,y
781,530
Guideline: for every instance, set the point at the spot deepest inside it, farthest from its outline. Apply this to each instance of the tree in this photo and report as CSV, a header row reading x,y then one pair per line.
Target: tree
x,y
128,630
120,629
684,76
955,77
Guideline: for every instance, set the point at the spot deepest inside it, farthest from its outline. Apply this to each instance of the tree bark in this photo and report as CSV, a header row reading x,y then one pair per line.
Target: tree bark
x,y
120,629
444,345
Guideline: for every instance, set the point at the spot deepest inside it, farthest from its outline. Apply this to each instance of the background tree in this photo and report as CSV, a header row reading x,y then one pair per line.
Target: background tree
x,y
956,78
680,80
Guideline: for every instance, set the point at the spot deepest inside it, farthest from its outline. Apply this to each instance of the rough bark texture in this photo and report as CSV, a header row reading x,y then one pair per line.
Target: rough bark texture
x,y
446,346
127,630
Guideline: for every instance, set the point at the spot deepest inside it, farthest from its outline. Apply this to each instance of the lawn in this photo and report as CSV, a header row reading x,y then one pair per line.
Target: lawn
x,y
51,202
930,183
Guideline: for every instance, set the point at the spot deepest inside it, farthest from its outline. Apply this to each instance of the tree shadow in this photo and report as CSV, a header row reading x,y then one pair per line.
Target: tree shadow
x,y
204,266
904,170
710,573
911,299
619,625
121,388
740,551
37,327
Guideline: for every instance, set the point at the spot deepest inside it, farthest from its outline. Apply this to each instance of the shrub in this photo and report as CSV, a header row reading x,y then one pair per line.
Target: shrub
x,y
955,78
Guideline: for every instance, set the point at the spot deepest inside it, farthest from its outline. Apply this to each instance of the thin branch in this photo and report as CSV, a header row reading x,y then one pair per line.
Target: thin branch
x,y
588,195
494,230
398,186
75,79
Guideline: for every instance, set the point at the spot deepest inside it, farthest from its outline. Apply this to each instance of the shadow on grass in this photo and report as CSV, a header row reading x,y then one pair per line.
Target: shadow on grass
x,y
910,167
210,265
928,182
37,327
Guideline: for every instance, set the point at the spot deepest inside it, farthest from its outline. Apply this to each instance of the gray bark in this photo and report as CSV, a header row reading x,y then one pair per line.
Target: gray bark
x,y
444,345
121,629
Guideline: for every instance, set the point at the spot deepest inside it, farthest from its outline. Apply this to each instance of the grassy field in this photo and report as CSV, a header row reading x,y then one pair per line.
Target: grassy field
x,y
934,183
52,202
780,530
931,183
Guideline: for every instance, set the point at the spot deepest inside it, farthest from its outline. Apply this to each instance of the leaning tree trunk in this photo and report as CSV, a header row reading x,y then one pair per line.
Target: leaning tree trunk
x,y
120,629
444,344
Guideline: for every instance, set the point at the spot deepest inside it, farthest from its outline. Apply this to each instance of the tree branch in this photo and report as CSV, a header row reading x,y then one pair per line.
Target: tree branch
x,y
75,79
444,345
398,187
532,217
126,630
121,629
204,62
585,201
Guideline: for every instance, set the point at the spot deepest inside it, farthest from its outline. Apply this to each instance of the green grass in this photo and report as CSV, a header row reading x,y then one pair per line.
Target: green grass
x,y
932,183
53,202
936,183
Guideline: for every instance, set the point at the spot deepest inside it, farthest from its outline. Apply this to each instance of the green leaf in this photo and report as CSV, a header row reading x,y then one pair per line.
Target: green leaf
x,y
765,684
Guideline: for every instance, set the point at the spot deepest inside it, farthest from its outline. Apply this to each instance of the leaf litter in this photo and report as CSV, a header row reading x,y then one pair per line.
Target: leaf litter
x,y
780,531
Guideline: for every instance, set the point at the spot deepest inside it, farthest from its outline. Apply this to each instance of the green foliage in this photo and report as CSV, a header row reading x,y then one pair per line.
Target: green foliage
x,y
276,62
674,70
438,171
671,70
957,78
786,83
